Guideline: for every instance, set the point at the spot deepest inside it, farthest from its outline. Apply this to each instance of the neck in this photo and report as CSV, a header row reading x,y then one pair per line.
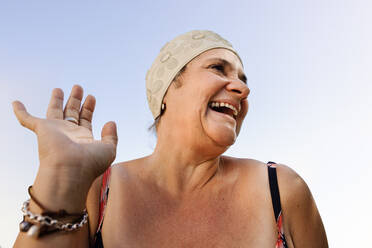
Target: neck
x,y
180,167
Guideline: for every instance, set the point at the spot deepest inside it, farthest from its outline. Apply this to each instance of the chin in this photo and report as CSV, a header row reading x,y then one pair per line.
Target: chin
x,y
220,129
223,138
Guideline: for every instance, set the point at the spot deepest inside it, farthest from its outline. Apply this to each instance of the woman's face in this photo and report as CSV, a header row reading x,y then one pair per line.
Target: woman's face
x,y
212,101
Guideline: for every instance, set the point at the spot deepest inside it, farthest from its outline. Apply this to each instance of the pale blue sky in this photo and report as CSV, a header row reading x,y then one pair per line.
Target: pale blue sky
x,y
308,65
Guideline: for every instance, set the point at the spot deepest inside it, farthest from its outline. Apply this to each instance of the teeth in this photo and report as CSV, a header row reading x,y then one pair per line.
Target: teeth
x,y
222,104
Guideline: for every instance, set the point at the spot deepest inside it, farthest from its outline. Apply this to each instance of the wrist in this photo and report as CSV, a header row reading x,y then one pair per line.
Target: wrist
x,y
54,200
37,225
55,193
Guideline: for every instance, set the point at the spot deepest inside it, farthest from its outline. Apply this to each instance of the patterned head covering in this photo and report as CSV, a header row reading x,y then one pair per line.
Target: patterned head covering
x,y
173,57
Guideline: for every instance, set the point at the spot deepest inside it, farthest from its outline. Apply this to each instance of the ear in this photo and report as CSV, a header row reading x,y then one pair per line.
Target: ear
x,y
166,95
164,99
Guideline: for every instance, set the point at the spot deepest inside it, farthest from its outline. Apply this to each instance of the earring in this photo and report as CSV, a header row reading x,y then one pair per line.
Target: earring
x,y
162,106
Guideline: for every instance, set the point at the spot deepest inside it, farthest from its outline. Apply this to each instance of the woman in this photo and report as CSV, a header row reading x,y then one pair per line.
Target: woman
x,y
186,193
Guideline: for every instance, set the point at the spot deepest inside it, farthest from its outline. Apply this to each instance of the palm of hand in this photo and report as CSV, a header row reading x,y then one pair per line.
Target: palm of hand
x,y
71,143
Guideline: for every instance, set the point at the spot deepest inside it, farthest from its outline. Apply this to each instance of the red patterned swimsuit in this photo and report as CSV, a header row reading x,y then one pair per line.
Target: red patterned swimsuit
x,y
275,197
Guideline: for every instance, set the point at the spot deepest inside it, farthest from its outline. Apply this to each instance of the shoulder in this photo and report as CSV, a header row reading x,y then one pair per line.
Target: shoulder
x,y
250,171
118,170
248,176
295,195
127,172
302,223
244,169
301,217
292,187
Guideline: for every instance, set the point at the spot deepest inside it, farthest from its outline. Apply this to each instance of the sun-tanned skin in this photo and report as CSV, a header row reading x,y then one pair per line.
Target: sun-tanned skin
x,y
185,194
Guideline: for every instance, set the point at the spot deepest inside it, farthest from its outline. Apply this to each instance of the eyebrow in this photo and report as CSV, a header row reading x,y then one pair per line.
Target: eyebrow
x,y
241,75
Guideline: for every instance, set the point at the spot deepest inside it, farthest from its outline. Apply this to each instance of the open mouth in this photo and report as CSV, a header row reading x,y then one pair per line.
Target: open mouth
x,y
224,108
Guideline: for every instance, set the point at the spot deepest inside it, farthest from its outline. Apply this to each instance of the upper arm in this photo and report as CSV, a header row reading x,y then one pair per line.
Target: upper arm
x,y
300,212
92,205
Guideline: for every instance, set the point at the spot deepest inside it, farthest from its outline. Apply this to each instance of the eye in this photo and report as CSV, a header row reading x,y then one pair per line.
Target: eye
x,y
218,67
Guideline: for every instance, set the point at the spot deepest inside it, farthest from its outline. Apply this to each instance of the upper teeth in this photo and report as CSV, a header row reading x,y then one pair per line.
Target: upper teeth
x,y
224,104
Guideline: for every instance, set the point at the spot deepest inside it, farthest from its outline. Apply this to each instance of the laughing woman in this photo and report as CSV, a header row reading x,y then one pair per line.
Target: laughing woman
x,y
186,193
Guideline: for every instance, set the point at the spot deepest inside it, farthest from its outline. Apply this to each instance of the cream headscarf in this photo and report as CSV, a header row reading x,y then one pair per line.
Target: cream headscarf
x,y
173,57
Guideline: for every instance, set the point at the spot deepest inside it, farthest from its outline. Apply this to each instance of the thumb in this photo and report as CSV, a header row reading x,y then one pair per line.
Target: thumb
x,y
24,118
109,133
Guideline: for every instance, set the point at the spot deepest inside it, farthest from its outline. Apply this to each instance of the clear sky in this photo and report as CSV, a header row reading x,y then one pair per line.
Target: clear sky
x,y
308,65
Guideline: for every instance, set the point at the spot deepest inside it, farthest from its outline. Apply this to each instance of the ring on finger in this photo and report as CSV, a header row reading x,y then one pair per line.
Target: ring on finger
x,y
72,119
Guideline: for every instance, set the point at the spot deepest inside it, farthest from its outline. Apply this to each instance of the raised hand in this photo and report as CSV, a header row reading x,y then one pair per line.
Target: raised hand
x,y
69,156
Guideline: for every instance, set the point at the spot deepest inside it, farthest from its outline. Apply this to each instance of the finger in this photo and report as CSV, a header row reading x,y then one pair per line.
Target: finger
x,y
86,113
55,107
72,107
109,134
24,118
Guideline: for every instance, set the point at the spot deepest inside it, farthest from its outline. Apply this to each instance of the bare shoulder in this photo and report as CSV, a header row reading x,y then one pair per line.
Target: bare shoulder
x,y
302,222
301,216
118,171
124,172
247,174
292,186
295,195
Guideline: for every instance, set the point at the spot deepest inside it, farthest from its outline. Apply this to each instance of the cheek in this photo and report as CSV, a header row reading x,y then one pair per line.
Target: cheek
x,y
245,106
212,82
242,115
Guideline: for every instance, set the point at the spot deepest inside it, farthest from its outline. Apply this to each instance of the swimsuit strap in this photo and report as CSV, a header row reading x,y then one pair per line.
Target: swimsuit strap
x,y
102,205
275,198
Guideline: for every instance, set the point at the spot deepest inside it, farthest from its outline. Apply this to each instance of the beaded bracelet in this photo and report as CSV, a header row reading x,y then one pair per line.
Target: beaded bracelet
x,y
40,225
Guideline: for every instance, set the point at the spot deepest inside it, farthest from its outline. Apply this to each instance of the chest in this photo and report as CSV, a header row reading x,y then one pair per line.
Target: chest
x,y
138,219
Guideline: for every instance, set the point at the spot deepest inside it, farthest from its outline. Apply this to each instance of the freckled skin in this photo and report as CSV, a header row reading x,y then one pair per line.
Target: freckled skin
x,y
224,213
186,194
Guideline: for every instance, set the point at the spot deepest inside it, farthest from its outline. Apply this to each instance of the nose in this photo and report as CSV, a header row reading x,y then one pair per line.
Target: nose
x,y
238,87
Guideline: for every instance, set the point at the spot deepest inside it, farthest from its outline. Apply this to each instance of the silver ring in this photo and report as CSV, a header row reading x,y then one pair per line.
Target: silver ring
x,y
72,119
